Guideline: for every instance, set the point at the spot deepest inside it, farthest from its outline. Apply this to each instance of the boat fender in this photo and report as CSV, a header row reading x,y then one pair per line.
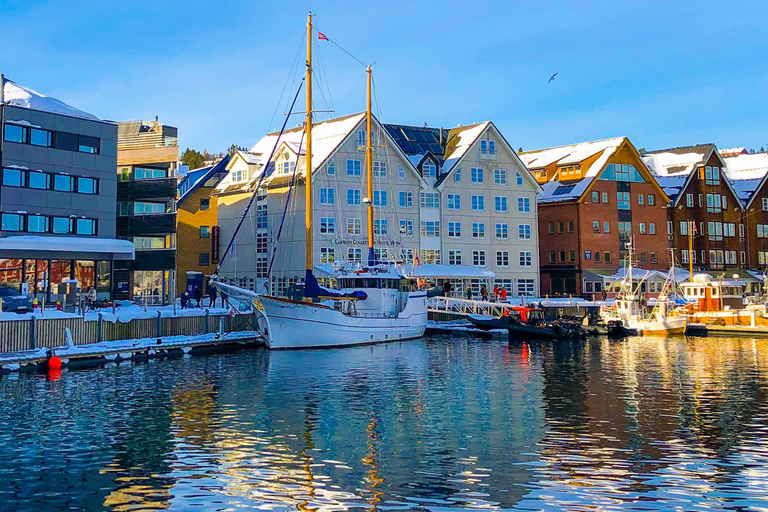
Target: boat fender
x,y
54,362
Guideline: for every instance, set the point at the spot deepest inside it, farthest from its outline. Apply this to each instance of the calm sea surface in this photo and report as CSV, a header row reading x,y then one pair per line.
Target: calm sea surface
x,y
436,424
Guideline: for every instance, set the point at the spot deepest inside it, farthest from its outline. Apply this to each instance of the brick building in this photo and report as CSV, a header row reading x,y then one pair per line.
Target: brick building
x,y
596,196
699,191
749,174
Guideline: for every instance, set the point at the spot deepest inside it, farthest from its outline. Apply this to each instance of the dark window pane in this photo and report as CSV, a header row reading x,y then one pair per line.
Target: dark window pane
x,y
12,222
14,133
143,173
13,178
39,180
86,185
39,137
205,204
204,232
67,141
62,183
61,225
86,227
89,145
205,258
37,224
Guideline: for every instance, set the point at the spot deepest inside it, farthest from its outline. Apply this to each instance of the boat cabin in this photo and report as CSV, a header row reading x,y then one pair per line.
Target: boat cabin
x,y
710,294
527,315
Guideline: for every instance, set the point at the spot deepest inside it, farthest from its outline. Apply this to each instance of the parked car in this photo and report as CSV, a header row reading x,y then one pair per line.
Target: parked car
x,y
15,302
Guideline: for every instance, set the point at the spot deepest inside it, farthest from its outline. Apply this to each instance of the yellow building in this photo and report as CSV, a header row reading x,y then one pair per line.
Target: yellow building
x,y
197,239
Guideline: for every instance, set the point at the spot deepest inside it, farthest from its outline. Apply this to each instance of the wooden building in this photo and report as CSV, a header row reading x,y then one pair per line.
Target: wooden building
x,y
597,195
749,176
701,197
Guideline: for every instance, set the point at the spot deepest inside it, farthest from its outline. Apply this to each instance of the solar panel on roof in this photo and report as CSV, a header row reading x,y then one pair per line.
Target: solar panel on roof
x,y
563,189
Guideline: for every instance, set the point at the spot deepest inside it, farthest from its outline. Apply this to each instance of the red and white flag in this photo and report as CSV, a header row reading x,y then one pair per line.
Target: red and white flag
x,y
321,36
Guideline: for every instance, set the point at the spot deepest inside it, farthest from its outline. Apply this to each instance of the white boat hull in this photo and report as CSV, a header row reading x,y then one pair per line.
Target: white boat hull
x,y
659,327
288,324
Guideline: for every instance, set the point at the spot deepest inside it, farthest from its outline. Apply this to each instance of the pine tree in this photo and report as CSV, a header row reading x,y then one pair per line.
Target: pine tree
x,y
192,158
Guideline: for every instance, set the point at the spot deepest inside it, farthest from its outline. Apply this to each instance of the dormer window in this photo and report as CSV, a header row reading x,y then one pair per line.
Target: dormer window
x,y
238,175
570,172
428,169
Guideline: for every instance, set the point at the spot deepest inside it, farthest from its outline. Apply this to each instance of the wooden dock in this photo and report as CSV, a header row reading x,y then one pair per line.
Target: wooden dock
x,y
741,331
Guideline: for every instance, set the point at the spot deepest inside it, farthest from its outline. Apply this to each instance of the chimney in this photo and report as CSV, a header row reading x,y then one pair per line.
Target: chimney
x,y
2,88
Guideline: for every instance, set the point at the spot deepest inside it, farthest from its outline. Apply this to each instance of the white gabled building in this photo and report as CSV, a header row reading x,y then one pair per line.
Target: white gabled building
x,y
463,198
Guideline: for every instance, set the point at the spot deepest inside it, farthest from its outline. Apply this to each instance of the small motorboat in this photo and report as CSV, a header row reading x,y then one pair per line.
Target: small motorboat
x,y
525,323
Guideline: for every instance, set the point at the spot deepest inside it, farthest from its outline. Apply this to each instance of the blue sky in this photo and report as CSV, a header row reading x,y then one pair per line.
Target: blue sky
x,y
663,73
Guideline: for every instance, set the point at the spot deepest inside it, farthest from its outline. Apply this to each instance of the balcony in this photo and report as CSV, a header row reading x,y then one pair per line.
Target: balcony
x,y
153,224
160,188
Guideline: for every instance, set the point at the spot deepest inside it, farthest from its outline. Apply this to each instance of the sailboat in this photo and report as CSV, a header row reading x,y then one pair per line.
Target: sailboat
x,y
377,303
631,310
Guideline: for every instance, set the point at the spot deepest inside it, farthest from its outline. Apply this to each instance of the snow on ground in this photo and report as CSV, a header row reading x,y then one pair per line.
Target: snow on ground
x,y
124,312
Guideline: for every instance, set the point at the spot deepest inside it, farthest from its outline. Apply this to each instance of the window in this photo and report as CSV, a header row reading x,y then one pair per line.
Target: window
x,y
353,196
487,147
204,259
380,198
62,225
354,255
570,226
587,255
428,169
689,200
652,228
502,258
430,255
149,242
551,228
712,175
13,178
405,199
605,197
725,202
741,230
684,227
327,196
476,175
15,133
519,179
571,256
478,230
331,169
362,140
454,229
642,228
406,227
400,172
205,231
37,224
327,255
353,168
765,203
670,228
500,176
684,256
622,198
39,180
607,258
62,183
606,227
478,203
597,256
523,204
640,199
141,173
596,226
430,228
595,197
654,259
327,225
502,231
478,258
87,186
701,201
526,259
651,200
429,200
454,202
729,229
714,203
89,145
86,226
454,257
205,203
354,226
380,227
145,208
524,231
525,287
552,258
500,203
379,169
643,257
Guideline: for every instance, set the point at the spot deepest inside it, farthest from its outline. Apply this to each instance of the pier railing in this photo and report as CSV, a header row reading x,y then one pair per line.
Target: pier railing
x,y
18,335
466,306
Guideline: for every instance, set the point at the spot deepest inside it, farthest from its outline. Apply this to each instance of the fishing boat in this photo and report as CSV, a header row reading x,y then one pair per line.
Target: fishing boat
x,y
375,303
631,308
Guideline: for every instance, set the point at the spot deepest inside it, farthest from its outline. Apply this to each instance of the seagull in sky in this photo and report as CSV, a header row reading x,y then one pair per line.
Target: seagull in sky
x,y
552,77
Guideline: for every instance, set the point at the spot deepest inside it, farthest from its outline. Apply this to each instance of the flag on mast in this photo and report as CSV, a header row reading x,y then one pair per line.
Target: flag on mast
x,y
321,36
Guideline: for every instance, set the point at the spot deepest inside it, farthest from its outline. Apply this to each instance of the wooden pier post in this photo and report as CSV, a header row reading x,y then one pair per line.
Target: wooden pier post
x,y
33,333
100,328
207,321
159,325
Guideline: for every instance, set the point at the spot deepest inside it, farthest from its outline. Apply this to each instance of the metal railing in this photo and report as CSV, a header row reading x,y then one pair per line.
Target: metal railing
x,y
466,306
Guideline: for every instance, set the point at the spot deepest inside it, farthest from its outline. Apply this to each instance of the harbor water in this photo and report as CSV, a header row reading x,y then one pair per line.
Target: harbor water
x,y
435,424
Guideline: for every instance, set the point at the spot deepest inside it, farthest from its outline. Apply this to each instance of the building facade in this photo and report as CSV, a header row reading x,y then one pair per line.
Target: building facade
x,y
147,160
597,196
466,200
57,198
197,232
703,204
748,174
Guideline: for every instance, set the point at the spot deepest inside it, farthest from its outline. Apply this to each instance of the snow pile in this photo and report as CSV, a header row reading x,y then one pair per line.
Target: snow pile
x,y
669,164
464,140
124,312
21,96
747,167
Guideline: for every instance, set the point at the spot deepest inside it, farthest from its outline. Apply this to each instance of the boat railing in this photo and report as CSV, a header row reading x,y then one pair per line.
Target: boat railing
x,y
467,306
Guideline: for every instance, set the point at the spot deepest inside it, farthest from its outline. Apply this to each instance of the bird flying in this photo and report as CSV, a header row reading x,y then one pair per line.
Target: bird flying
x,y
552,77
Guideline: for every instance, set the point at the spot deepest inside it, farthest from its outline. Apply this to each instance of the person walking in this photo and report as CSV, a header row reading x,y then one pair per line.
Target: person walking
x,y
212,293
91,298
199,296
484,293
468,292
184,299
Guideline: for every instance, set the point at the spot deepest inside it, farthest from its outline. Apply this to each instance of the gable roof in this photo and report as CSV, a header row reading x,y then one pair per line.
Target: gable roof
x,y
196,178
747,173
20,96
554,191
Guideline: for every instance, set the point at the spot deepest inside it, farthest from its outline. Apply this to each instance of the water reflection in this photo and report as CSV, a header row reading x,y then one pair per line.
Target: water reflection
x,y
433,425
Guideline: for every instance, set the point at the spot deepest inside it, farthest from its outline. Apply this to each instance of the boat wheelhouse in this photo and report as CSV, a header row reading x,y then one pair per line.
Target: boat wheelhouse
x,y
709,294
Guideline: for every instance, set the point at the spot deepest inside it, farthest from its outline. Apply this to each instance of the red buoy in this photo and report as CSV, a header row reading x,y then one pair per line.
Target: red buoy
x,y
54,363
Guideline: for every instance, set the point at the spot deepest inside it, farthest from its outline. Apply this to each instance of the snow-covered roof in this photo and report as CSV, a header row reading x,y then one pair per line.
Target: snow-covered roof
x,y
673,164
197,177
732,151
746,167
556,191
459,142
20,96
746,188
249,157
672,185
416,159
65,247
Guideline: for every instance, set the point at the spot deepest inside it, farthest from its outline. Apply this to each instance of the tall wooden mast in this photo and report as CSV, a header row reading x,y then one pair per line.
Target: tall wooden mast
x,y
369,170
308,155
